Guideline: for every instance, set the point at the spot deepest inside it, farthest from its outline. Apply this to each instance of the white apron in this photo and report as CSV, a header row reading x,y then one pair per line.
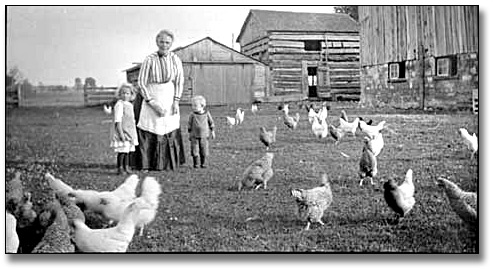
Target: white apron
x,y
149,120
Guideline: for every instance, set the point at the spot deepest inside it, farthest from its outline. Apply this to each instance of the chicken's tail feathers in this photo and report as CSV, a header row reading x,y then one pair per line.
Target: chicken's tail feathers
x,y
409,176
151,189
57,184
343,115
325,179
297,193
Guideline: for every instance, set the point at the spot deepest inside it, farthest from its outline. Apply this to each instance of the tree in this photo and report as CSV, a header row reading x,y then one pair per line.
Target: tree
x,y
13,76
78,84
350,10
89,83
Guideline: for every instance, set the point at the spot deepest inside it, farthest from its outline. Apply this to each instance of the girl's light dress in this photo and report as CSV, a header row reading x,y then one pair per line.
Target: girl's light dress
x,y
124,113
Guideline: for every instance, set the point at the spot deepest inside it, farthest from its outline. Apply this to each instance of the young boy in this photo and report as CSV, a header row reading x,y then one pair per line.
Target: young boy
x,y
200,127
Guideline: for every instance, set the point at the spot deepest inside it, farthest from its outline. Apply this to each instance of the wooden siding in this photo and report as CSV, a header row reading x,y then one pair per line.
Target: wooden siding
x,y
395,33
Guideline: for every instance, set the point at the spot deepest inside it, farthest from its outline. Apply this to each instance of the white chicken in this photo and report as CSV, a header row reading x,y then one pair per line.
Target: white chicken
x,y
289,121
147,203
344,116
377,144
346,125
114,239
111,204
254,108
239,116
368,163
463,203
258,173
313,202
470,140
320,128
323,112
371,130
11,237
400,198
231,121
268,138
311,115
108,109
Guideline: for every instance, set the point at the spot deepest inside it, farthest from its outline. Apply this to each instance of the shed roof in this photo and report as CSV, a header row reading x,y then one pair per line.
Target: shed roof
x,y
301,21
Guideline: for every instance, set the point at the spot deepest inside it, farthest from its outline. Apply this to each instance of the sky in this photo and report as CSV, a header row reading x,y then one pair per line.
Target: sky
x,y
56,44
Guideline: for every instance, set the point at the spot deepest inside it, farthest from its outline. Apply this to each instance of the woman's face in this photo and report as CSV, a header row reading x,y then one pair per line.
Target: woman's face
x,y
164,43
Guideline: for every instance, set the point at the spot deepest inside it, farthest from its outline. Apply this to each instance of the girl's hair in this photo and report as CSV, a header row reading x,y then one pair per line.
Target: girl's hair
x,y
123,86
198,99
165,32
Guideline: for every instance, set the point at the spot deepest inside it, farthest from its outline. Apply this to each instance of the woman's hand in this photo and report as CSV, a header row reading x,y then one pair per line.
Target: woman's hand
x,y
157,108
213,135
175,107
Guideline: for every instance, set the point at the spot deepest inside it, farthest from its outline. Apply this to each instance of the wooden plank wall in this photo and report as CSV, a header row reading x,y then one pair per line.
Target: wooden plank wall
x,y
99,96
390,33
339,52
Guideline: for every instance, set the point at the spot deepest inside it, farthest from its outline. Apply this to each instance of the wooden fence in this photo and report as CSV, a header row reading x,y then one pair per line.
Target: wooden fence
x,y
12,95
475,101
98,96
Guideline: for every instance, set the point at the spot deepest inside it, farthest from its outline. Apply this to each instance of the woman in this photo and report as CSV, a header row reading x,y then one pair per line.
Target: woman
x,y
161,84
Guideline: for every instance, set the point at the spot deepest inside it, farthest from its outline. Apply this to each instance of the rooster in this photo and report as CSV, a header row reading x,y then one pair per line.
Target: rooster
x,y
470,140
368,163
108,109
289,121
313,202
239,116
400,198
320,127
370,130
267,137
463,203
258,173
336,133
147,203
114,239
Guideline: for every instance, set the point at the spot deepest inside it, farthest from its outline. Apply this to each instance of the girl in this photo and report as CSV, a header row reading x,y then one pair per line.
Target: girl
x,y
123,131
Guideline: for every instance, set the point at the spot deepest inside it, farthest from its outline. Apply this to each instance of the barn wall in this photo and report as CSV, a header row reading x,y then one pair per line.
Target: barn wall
x,y
446,93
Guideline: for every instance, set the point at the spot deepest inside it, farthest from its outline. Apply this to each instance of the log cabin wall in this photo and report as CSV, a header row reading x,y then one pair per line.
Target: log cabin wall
x,y
416,38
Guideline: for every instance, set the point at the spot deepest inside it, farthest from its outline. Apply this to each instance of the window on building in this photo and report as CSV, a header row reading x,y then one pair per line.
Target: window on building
x,y
312,45
396,70
446,66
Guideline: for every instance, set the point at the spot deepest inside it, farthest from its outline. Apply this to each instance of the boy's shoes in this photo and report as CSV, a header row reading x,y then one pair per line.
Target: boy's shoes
x,y
203,166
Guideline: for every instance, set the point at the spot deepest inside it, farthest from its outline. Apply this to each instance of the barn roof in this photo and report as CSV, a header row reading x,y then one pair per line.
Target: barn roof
x,y
301,21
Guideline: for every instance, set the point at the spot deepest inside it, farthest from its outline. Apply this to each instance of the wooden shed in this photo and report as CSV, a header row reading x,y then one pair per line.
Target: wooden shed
x,y
219,73
419,56
310,55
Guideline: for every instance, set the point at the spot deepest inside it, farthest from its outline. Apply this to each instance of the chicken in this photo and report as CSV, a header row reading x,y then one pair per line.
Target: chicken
x,y
349,127
290,122
14,192
320,128
108,109
147,203
368,163
470,140
344,116
254,108
268,137
400,198
311,115
376,144
11,237
231,121
336,133
323,112
258,173
370,130
110,204
25,213
463,203
57,236
239,116
313,202
114,239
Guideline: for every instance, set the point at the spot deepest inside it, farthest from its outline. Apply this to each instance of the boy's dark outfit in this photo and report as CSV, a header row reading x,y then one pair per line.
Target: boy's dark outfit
x,y
200,127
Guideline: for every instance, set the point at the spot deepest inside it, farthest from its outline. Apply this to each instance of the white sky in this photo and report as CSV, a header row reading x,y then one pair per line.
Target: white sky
x,y
56,44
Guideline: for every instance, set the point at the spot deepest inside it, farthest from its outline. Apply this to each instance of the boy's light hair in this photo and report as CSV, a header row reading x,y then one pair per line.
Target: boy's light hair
x,y
123,86
198,99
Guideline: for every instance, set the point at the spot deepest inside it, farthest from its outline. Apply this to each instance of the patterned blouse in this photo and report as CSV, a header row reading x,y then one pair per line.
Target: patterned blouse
x,y
156,69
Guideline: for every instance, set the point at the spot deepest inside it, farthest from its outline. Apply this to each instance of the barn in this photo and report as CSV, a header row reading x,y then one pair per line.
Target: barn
x,y
223,75
419,56
310,55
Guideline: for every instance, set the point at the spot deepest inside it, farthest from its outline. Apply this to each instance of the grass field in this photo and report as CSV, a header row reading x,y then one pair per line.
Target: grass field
x,y
200,211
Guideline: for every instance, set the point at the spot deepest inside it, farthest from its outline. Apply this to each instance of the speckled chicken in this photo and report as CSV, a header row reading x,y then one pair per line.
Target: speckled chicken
x,y
147,203
400,198
313,202
14,191
258,173
57,236
268,138
289,121
114,239
368,163
470,140
463,203
336,133
25,213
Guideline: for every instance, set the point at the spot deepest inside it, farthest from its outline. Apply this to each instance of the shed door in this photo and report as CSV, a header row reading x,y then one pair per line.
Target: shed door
x,y
323,82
